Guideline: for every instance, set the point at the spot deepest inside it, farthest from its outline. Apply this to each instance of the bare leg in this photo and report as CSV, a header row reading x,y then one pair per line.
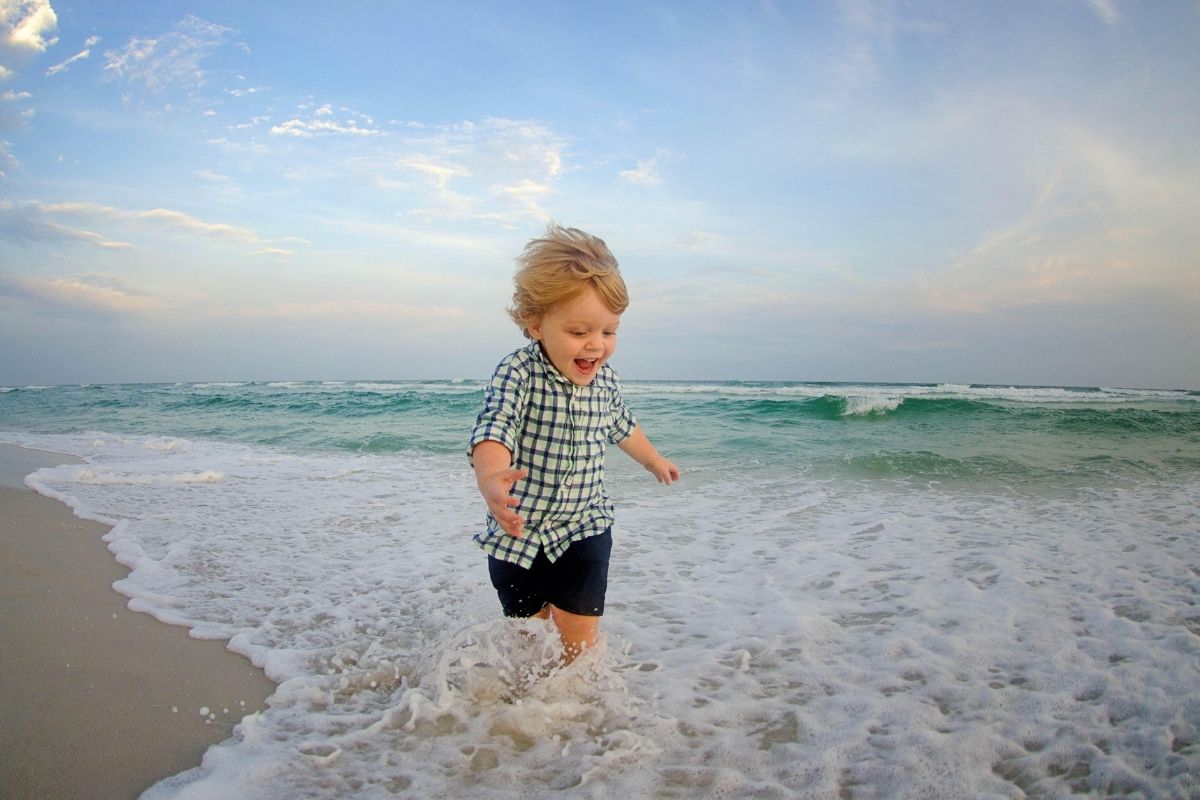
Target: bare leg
x,y
577,631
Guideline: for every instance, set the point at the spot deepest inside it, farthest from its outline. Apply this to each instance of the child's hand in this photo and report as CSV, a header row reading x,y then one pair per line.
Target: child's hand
x,y
496,489
663,470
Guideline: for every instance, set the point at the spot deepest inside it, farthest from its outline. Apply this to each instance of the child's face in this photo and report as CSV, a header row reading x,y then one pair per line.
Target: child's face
x,y
579,335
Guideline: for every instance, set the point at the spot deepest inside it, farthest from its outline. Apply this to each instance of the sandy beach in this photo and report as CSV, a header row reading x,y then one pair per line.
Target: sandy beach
x,y
97,701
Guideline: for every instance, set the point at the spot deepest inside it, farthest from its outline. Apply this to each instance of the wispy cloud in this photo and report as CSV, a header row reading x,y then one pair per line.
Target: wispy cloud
x,y
7,159
173,60
37,222
858,58
497,170
436,174
26,224
1098,224
345,309
647,172
63,66
95,292
1106,11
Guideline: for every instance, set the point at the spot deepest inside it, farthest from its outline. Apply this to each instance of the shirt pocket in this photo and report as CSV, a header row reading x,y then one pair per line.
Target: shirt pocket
x,y
592,426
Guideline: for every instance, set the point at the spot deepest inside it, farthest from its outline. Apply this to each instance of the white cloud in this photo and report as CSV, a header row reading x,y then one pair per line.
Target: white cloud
x,y
7,159
495,170
171,60
162,217
63,66
35,221
208,176
27,26
91,292
346,309
247,92
307,129
26,224
1099,224
1105,10
647,173
436,174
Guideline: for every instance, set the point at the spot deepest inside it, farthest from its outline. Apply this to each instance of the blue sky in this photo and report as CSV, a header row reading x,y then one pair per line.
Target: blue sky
x,y
882,191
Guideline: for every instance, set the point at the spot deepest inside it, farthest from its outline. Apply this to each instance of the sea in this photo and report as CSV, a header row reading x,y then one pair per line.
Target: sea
x,y
854,591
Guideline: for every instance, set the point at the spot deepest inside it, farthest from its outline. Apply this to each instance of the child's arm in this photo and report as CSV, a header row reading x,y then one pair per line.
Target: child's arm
x,y
638,447
495,476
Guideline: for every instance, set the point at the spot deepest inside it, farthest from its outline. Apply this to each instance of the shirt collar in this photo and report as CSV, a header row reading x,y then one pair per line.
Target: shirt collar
x,y
536,348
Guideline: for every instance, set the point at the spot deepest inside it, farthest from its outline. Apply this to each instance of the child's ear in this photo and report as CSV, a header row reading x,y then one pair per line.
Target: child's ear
x,y
534,326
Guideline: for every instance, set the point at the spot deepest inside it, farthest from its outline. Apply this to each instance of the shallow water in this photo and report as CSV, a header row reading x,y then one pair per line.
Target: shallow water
x,y
895,592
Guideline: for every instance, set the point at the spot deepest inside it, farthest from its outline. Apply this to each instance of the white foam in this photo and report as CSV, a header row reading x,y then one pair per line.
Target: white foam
x,y
871,404
766,635
458,388
117,478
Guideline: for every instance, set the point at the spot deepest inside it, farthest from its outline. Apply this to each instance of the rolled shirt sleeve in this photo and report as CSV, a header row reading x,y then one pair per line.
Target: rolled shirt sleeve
x,y
623,421
503,408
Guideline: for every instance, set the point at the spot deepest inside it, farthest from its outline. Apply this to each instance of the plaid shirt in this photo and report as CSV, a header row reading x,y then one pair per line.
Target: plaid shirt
x,y
558,432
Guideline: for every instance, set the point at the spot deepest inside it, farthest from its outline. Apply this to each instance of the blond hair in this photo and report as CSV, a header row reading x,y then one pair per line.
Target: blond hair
x,y
558,266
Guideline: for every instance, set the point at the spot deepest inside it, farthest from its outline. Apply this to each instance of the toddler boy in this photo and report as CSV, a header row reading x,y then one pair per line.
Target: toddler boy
x,y
538,445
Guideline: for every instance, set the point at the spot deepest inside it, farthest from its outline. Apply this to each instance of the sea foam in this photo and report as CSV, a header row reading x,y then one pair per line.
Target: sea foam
x,y
768,634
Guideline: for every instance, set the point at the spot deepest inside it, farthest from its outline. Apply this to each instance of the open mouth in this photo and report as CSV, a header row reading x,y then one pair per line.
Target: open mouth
x,y
586,365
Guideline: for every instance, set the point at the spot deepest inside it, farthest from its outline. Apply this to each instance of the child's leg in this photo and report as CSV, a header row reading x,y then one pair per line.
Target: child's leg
x,y
577,631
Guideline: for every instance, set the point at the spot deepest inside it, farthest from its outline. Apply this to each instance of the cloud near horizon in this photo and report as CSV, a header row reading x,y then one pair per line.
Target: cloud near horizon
x,y
159,220
90,293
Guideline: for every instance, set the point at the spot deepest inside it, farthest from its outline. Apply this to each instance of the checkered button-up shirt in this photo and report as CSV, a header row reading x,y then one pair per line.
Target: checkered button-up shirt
x,y
558,432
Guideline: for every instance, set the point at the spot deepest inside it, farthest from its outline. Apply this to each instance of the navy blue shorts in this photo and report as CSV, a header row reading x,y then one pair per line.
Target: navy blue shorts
x,y
576,582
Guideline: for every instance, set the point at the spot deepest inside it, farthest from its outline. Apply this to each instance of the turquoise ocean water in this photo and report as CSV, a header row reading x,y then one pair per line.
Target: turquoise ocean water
x,y
970,435
856,590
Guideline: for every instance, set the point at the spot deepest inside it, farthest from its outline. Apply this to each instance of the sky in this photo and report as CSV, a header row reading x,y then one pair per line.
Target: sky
x,y
943,192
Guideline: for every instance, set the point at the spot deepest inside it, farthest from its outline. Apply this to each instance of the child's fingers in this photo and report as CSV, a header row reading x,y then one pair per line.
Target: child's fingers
x,y
513,525
501,502
509,521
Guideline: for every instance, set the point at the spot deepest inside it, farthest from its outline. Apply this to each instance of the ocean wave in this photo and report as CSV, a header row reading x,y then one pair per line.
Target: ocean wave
x,y
106,478
1034,395
882,404
835,407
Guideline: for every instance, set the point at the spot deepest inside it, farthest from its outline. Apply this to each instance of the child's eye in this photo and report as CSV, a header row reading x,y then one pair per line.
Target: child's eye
x,y
579,333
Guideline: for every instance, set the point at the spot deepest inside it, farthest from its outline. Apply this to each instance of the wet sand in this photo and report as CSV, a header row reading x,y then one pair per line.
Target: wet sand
x,y
97,701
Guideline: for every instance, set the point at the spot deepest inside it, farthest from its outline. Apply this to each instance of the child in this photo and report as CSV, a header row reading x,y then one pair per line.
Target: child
x,y
538,445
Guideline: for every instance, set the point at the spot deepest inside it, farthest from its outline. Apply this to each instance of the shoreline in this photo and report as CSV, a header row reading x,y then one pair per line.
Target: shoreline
x,y
98,700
